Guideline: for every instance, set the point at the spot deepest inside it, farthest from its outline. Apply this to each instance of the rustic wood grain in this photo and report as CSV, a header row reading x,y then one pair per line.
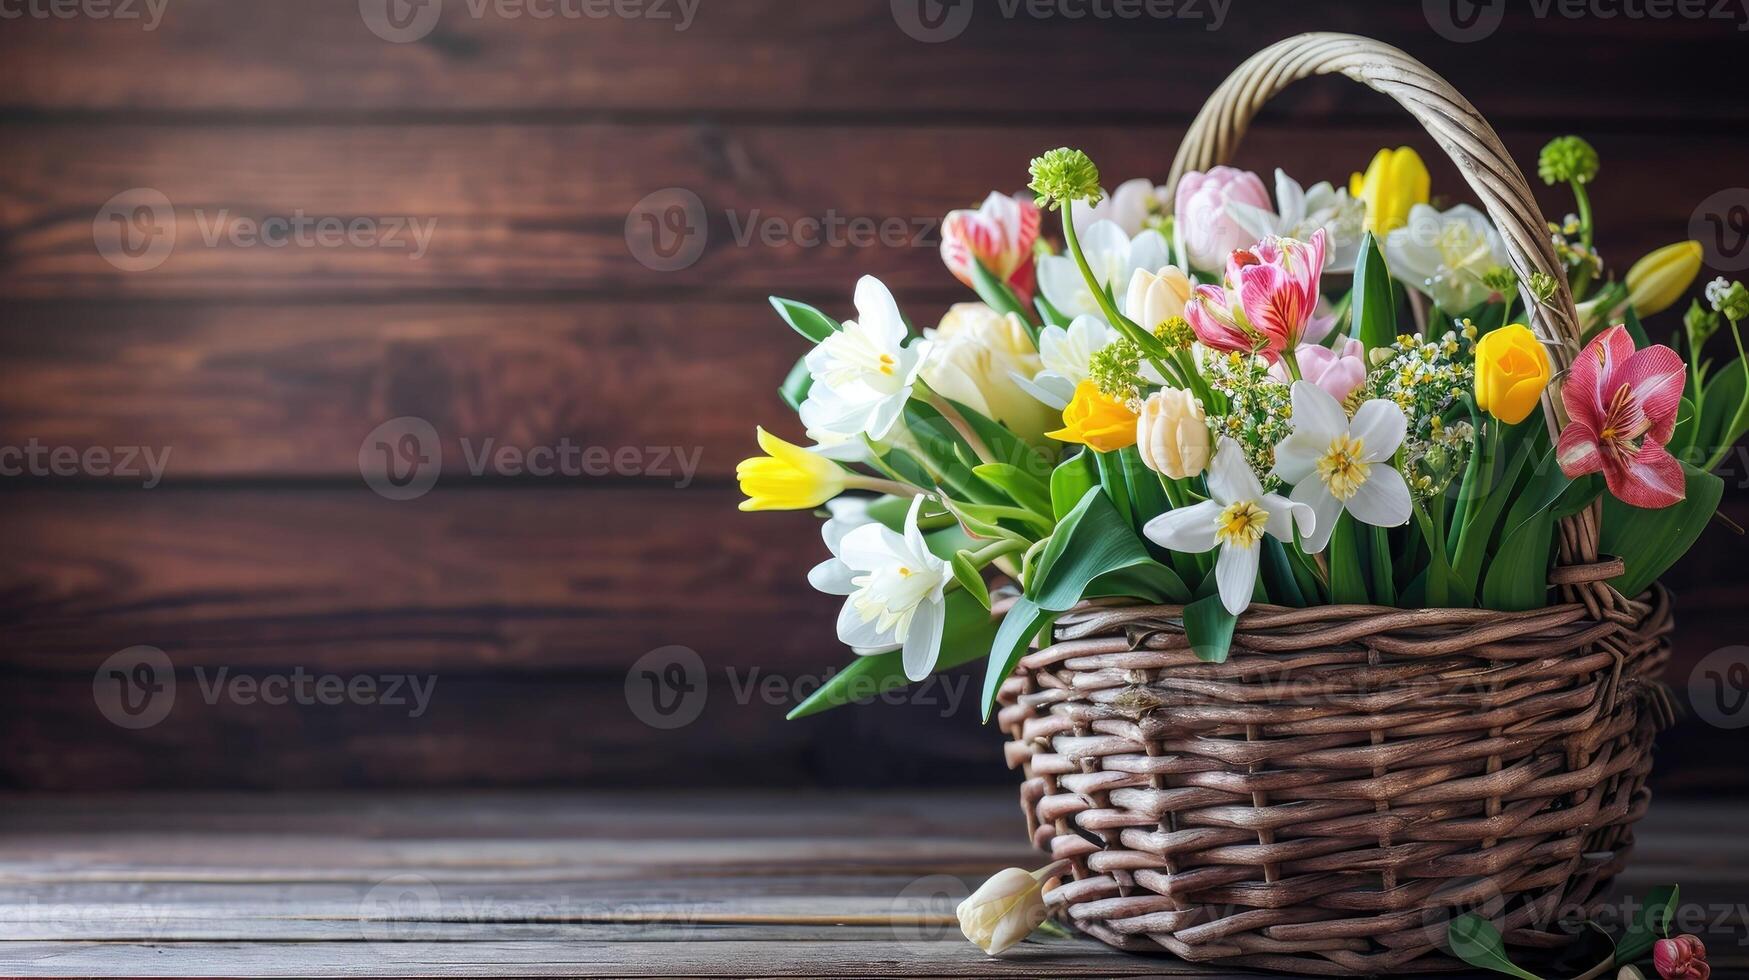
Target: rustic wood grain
x,y
533,208
771,56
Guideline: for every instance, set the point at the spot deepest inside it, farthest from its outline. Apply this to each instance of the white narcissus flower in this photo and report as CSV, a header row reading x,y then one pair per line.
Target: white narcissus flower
x,y
1234,518
1338,465
1066,355
1007,908
863,374
896,589
1445,254
1113,257
976,356
1302,211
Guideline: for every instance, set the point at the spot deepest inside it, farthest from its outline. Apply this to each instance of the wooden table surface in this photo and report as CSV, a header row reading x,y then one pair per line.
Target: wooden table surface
x,y
619,884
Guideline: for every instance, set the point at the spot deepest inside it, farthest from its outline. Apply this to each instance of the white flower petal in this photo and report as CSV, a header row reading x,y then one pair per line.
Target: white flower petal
x,y
832,577
1147,251
1189,529
1059,278
923,639
1230,478
1296,457
1103,244
1383,500
853,631
1317,412
1326,510
869,547
1256,221
884,413
878,312
1236,574
1379,425
1049,387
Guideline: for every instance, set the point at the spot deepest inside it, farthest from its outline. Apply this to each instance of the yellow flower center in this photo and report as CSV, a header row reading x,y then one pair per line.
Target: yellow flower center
x,y
1241,524
1340,467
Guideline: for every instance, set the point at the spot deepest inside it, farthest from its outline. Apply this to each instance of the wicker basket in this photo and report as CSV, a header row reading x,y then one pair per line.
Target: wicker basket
x,y
1352,776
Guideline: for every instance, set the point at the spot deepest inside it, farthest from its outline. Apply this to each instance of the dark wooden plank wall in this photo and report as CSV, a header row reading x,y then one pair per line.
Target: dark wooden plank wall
x,y
528,321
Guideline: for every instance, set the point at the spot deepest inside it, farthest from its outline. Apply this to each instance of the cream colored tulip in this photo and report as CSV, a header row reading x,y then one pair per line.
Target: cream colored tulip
x,y
1155,297
1005,909
976,355
1172,434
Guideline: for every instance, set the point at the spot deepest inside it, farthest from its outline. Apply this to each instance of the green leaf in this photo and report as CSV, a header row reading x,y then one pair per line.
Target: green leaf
x,y
969,578
1636,329
804,319
1149,582
1347,576
794,389
1375,299
1023,622
1279,579
1650,541
1071,480
1089,541
1208,626
1003,443
1518,444
1049,314
1474,940
997,296
1721,424
1021,487
1653,924
1518,574
966,636
1384,589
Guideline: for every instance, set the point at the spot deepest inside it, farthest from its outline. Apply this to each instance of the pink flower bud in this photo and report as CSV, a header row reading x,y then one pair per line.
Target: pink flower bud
x,y
1682,958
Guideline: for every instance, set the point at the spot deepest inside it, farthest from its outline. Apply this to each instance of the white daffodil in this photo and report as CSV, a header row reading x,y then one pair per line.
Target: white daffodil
x,y
1131,207
863,374
1336,464
1112,255
1067,356
1302,211
1445,254
896,591
1234,518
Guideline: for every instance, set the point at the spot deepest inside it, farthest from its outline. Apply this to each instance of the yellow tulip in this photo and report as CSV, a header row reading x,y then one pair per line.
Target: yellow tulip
x,y
1394,182
1657,281
1096,420
788,478
1512,369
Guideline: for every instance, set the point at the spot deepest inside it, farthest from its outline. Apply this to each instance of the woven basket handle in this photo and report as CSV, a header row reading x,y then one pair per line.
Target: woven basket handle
x,y
1457,127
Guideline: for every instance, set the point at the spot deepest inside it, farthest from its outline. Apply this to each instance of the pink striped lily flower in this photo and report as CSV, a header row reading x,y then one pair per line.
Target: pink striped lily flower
x,y
1621,406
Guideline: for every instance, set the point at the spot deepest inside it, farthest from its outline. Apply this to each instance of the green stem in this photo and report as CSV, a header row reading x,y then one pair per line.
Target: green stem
x,y
894,487
1437,577
1293,363
1582,280
1121,323
959,423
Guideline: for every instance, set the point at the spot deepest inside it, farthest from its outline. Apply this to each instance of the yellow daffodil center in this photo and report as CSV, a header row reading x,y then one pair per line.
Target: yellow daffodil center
x,y
1341,468
1241,524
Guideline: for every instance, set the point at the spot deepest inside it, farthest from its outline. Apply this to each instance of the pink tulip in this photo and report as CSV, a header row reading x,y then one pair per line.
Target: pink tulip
x,y
1000,234
1269,299
1621,407
1338,372
1682,958
1208,232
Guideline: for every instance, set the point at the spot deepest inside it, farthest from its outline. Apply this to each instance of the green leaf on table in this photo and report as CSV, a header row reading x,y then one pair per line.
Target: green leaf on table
x,y
1090,541
1208,627
1474,940
969,578
1650,541
804,319
1071,480
796,384
965,637
1374,300
1023,622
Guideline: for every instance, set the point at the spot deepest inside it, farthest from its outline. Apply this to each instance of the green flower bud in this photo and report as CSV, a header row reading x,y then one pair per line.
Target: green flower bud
x,y
1542,286
1567,159
1731,299
1701,323
1501,280
1063,175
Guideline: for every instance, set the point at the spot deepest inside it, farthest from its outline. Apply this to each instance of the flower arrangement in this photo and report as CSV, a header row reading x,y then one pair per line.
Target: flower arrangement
x,y
1331,397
